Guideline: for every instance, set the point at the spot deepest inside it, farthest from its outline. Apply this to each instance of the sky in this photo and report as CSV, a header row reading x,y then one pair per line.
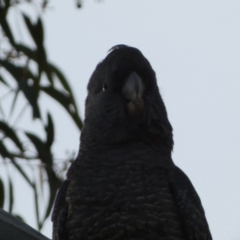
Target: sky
x,y
194,48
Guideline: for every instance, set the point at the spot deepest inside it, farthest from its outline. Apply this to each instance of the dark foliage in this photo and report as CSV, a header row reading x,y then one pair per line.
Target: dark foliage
x,y
17,77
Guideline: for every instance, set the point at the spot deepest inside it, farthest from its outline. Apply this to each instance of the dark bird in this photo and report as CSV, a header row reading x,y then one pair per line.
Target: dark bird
x,y
123,184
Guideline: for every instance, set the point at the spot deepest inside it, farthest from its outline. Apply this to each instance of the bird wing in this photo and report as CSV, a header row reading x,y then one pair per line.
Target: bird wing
x,y
59,215
189,206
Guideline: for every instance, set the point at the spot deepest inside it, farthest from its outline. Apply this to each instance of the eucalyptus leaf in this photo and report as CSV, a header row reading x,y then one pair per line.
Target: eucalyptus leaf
x,y
27,83
11,134
10,195
65,101
4,151
49,128
3,81
2,193
5,25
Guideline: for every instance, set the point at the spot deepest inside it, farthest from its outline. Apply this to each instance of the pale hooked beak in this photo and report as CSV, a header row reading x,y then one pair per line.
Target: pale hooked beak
x,y
133,91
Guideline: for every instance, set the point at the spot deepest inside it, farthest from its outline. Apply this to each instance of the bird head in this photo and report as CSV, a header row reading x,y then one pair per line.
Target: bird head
x,y
124,103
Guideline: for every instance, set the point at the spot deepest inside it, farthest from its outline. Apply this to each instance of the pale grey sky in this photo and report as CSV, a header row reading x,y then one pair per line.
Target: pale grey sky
x,y
194,48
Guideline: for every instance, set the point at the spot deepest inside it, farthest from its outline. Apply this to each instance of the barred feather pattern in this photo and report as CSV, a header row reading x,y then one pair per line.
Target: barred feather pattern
x,y
129,200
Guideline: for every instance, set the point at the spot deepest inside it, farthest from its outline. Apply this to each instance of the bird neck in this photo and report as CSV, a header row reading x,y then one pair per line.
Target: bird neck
x,y
143,152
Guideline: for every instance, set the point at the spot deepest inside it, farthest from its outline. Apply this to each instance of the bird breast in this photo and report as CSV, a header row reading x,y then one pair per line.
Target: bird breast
x,y
123,201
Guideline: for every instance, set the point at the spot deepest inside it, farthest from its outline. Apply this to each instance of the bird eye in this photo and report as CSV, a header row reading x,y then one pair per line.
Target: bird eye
x,y
104,86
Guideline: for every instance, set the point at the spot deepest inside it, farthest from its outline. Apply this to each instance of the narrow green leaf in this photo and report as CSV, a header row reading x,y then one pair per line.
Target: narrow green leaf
x,y
11,134
39,54
59,96
31,94
37,142
3,81
41,170
45,67
44,152
64,83
21,171
2,193
60,76
12,69
5,26
36,30
39,36
30,91
29,24
3,151
36,205
14,101
27,51
65,101
10,195
49,128
54,184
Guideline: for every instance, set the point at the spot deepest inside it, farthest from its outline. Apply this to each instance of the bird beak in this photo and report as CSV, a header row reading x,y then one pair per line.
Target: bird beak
x,y
133,91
